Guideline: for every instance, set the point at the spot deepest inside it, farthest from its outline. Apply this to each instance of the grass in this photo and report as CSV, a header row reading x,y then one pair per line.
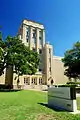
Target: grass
x,y
78,103
24,105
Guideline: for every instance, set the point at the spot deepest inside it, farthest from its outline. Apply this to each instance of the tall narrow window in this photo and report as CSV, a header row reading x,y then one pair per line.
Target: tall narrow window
x,y
40,69
34,33
34,36
49,60
40,37
40,33
27,34
40,41
32,80
34,49
27,40
27,31
26,81
50,69
40,51
40,81
34,39
49,50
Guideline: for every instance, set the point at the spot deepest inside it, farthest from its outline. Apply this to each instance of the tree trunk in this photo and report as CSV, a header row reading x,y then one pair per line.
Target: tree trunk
x,y
18,81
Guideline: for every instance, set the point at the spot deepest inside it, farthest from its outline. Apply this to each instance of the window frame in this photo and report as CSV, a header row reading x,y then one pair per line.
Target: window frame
x,y
40,51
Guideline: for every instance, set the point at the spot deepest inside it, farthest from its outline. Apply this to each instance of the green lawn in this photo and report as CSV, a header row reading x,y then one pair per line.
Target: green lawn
x,y
78,102
24,105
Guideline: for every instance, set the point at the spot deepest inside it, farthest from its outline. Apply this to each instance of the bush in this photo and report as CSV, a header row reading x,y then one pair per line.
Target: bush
x,y
67,85
2,86
76,83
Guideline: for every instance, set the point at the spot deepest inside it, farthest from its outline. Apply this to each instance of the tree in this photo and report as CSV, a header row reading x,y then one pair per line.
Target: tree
x,y
71,62
20,57
2,55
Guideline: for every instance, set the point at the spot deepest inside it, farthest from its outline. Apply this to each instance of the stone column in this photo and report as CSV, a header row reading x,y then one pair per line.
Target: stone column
x,y
24,34
43,37
37,80
30,40
37,40
30,80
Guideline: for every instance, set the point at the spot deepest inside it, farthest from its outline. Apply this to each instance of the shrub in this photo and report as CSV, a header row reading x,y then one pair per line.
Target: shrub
x,y
2,86
76,83
67,85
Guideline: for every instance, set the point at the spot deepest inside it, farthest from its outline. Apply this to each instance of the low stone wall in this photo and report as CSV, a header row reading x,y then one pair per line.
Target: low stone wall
x,y
62,98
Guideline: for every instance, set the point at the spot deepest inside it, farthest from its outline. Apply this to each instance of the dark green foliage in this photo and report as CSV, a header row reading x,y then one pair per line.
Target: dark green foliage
x,y
75,83
71,62
68,85
2,55
14,53
5,87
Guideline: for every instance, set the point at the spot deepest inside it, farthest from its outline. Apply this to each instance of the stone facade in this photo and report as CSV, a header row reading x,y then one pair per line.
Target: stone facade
x,y
51,67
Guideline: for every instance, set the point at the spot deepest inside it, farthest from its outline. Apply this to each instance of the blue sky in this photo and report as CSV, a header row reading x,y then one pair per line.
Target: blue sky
x,y
61,19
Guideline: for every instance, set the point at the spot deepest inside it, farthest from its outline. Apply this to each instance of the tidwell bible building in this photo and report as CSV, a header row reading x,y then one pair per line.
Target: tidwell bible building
x,y
50,68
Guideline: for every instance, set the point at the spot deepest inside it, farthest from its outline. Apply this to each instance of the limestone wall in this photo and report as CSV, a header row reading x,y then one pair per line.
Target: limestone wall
x,y
58,71
2,79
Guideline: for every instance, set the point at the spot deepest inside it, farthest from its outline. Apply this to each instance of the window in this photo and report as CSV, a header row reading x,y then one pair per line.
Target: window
x,y
34,49
27,32
50,69
40,38
34,39
40,81
27,40
40,33
40,60
40,41
26,81
40,51
50,60
34,33
34,81
49,50
40,69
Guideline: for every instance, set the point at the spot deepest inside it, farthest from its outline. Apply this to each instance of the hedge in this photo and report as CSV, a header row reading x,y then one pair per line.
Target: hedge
x,y
2,86
76,83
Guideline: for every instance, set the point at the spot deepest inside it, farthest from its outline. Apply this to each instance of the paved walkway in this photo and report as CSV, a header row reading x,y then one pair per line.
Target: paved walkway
x,y
77,95
37,90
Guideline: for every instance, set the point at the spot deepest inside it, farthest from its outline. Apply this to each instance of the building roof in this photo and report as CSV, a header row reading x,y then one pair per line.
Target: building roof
x,y
57,57
32,21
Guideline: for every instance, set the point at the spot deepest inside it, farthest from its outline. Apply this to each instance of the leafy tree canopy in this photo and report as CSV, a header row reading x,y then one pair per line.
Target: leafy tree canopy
x,y
14,53
71,61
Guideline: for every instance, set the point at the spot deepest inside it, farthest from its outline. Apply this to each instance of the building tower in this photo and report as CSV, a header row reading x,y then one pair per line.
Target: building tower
x,y
32,34
48,63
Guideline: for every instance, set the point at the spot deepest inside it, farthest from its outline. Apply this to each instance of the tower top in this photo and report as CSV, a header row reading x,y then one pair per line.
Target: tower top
x,y
32,24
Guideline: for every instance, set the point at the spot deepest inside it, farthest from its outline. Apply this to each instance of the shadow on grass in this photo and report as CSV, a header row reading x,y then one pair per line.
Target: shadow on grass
x,y
9,90
55,109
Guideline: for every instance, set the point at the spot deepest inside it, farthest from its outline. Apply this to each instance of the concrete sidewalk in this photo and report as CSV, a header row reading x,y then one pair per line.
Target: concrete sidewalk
x,y
37,90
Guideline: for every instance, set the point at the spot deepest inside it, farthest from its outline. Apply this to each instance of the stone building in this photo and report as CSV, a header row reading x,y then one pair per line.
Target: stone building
x,y
51,68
